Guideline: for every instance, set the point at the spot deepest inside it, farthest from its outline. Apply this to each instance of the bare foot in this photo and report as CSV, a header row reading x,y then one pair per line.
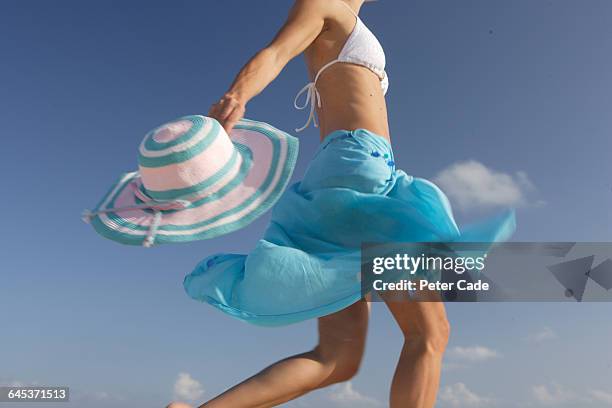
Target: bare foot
x,y
178,405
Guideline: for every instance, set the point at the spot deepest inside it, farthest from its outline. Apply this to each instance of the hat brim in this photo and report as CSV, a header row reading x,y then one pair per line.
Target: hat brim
x,y
248,194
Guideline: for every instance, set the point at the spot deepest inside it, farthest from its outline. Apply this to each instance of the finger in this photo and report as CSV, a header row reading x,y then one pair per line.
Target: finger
x,y
229,126
220,113
232,119
227,108
215,110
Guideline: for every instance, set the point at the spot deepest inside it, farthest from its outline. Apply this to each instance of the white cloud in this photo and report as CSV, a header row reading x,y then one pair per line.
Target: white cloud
x,y
472,354
458,395
15,384
345,395
101,395
554,395
186,388
8,382
601,396
471,184
543,335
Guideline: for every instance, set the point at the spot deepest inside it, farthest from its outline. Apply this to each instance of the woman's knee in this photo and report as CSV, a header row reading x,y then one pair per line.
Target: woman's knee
x,y
340,364
423,323
433,339
344,372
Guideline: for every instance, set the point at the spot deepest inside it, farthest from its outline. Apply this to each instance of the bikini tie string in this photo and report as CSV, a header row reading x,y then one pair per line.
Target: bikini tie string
x,y
313,98
157,206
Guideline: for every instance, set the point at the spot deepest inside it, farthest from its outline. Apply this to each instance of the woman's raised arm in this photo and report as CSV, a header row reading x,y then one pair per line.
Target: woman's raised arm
x,y
304,23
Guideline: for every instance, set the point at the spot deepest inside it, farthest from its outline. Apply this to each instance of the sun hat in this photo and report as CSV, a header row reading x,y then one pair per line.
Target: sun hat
x,y
196,182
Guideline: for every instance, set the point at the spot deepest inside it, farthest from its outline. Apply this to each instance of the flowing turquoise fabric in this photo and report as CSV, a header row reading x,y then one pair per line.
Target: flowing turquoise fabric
x,y
307,264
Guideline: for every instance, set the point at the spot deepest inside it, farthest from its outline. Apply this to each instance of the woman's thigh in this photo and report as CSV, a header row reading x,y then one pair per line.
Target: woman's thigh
x,y
343,334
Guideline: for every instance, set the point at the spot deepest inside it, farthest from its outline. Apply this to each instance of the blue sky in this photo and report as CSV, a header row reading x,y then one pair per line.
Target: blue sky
x,y
513,95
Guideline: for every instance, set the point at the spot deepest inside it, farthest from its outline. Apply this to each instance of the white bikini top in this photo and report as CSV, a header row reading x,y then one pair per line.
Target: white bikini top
x,y
361,48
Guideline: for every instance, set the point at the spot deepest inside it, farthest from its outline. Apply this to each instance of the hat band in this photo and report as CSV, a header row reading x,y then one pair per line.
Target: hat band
x,y
150,204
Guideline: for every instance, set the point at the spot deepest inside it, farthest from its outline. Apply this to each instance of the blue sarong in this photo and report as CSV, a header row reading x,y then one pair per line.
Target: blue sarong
x,y
307,264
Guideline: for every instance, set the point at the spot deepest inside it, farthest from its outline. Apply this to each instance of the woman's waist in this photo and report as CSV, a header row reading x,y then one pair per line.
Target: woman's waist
x,y
376,130
331,121
350,116
352,104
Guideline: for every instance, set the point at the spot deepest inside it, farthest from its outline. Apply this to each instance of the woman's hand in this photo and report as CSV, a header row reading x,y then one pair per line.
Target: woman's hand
x,y
228,111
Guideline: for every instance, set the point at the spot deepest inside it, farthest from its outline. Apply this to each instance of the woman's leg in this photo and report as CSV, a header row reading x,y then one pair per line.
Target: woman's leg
x,y
335,359
426,331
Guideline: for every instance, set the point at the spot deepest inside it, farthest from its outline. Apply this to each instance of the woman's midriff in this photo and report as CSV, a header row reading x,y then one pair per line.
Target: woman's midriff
x,y
351,98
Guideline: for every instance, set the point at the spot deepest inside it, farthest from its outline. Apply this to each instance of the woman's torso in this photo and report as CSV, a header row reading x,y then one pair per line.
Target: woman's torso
x,y
351,95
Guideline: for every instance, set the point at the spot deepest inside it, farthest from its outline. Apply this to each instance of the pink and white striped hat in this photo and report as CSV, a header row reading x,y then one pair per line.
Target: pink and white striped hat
x,y
196,182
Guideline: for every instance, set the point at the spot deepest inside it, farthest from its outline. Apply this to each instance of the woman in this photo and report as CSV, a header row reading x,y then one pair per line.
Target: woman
x,y
346,64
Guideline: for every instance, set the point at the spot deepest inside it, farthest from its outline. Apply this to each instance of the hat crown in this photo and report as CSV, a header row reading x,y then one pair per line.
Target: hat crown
x,y
186,157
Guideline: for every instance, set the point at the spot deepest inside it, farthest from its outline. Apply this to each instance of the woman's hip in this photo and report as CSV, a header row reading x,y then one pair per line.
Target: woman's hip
x,y
355,159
